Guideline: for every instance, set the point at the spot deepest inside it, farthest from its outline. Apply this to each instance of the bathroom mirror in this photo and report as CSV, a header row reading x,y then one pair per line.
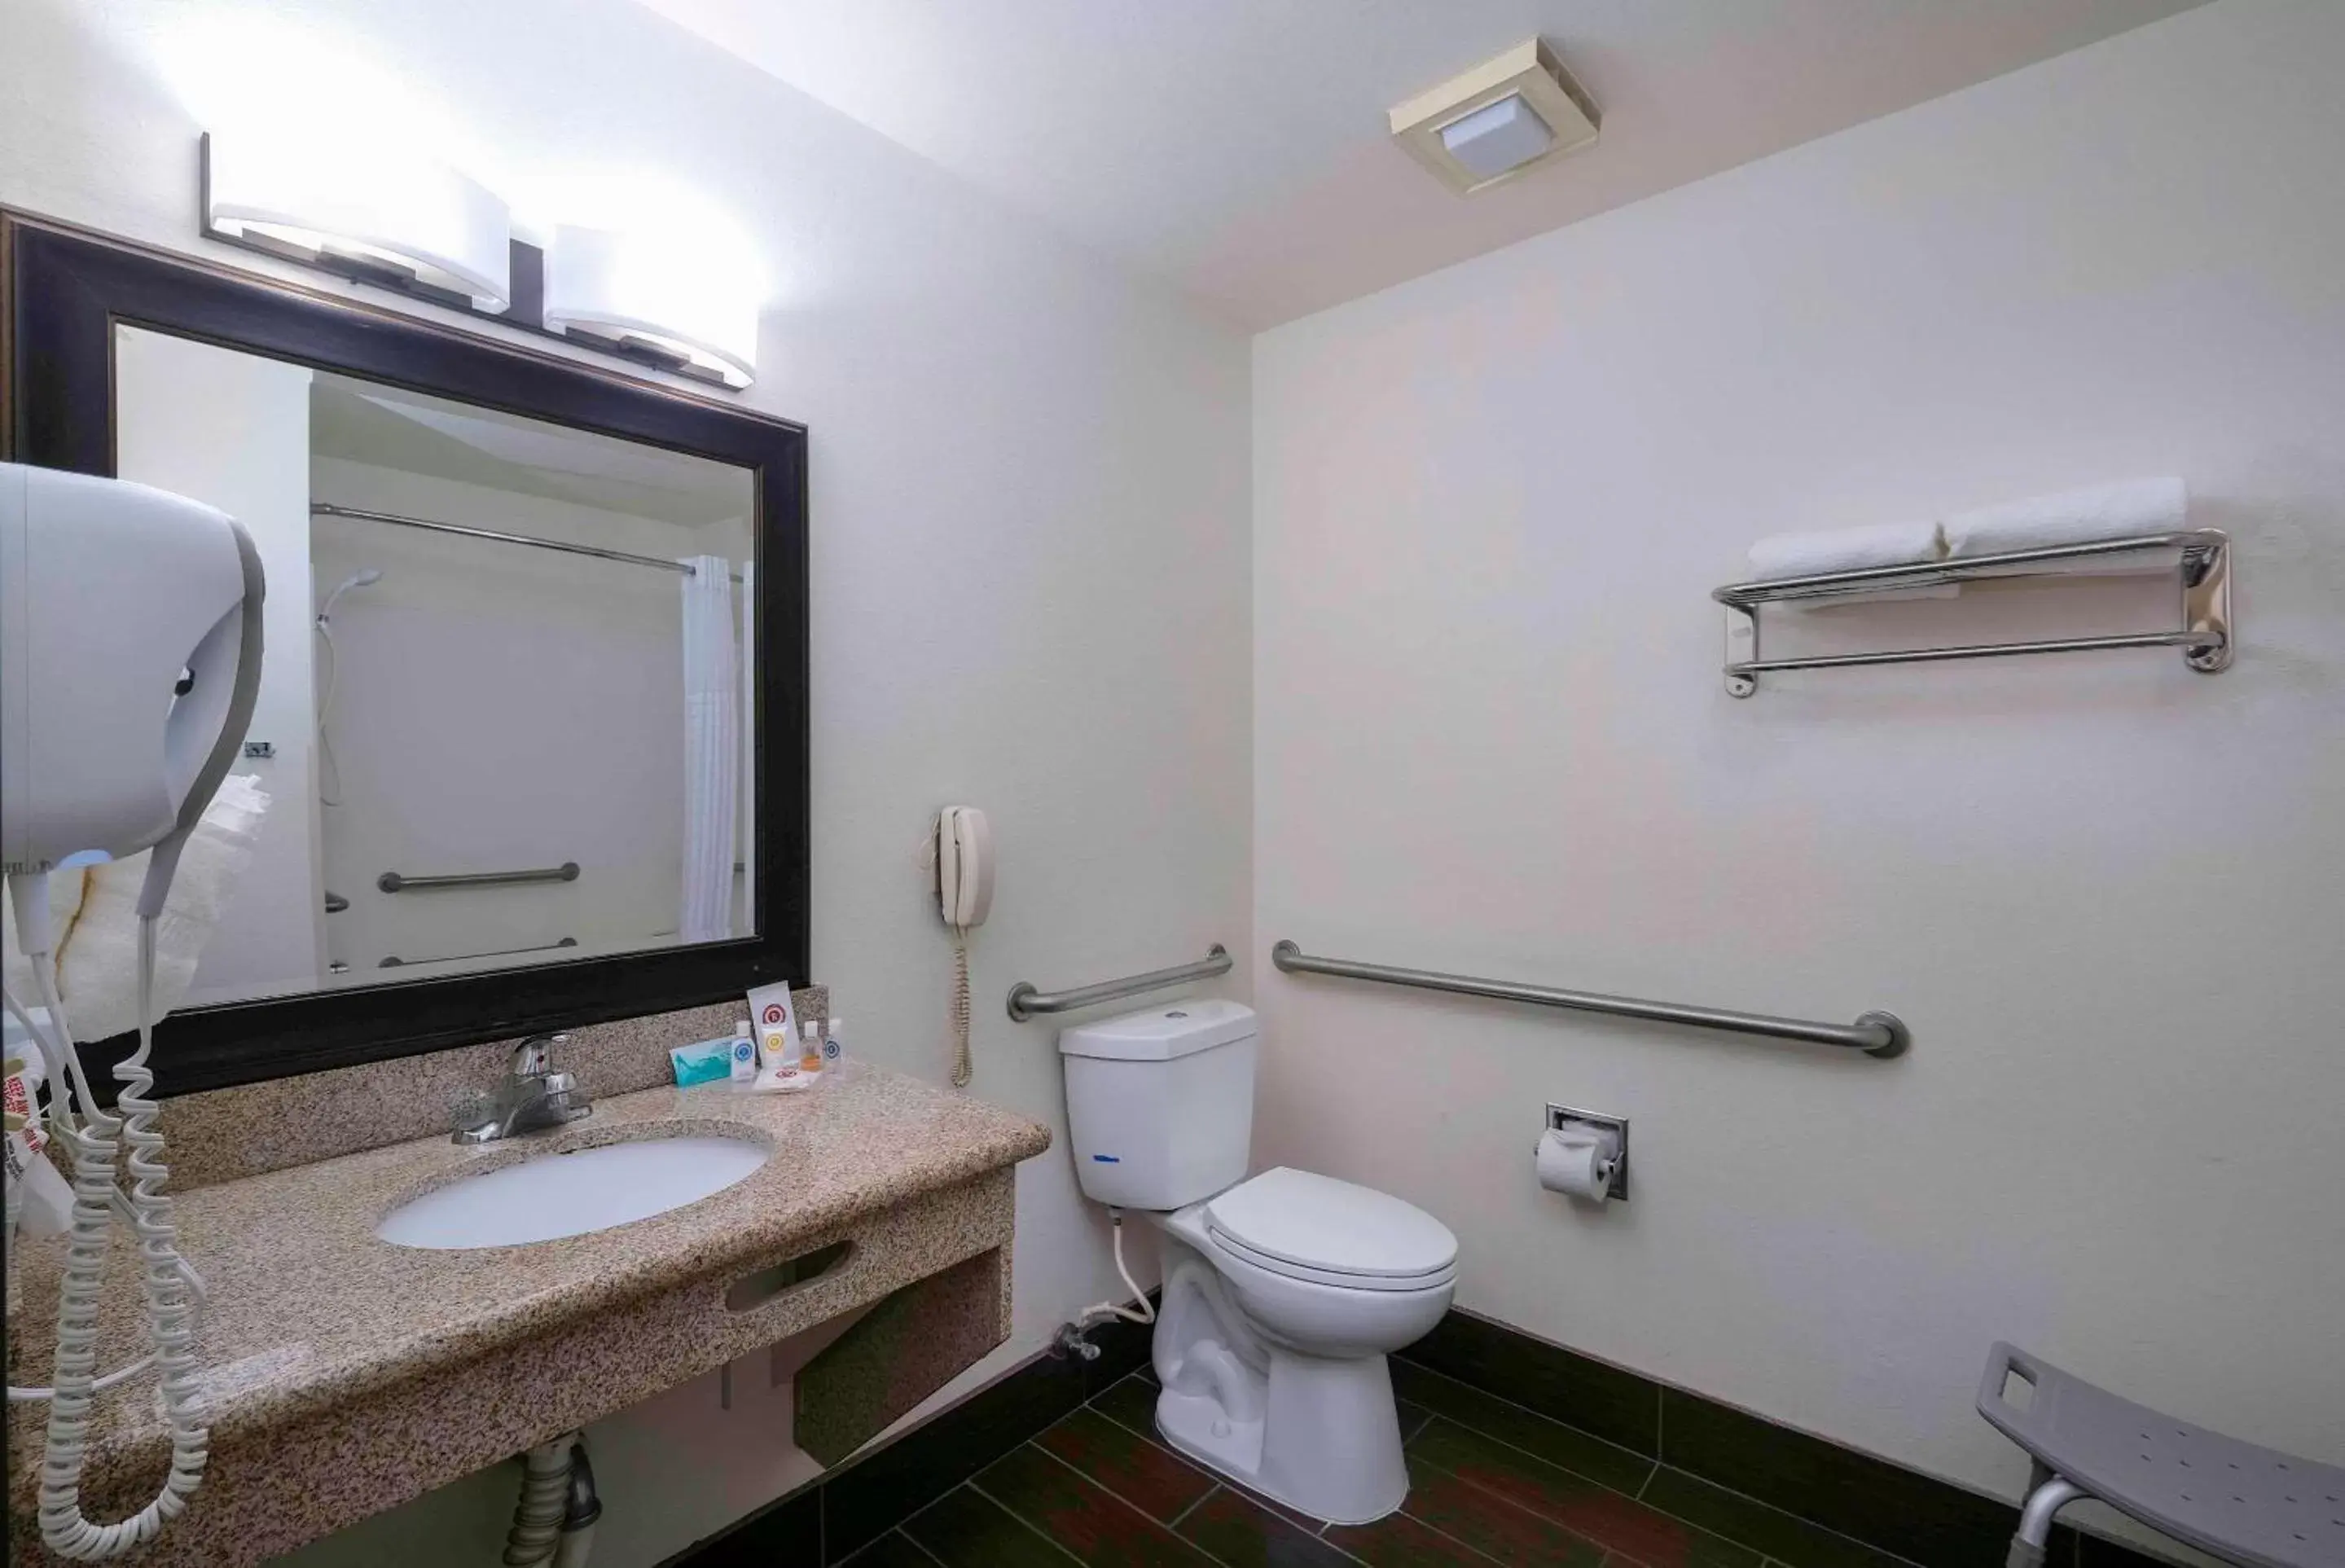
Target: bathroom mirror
x,y
529,743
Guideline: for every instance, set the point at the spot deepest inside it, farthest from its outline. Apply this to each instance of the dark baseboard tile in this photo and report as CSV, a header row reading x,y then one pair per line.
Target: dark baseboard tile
x,y
1716,1458
831,1518
2099,1552
1618,1405
1903,1511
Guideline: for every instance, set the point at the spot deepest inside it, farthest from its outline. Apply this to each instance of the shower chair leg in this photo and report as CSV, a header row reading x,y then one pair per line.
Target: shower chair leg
x,y
2047,1495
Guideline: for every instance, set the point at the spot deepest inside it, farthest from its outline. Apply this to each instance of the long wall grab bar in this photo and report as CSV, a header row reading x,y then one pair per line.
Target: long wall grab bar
x,y
397,962
1025,1001
1875,1034
393,883
2202,556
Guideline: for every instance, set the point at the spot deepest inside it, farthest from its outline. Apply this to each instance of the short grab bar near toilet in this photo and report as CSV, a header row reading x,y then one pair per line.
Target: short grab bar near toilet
x,y
1875,1034
1026,1001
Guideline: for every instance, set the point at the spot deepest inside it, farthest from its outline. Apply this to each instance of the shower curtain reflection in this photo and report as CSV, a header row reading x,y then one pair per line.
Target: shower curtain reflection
x,y
712,750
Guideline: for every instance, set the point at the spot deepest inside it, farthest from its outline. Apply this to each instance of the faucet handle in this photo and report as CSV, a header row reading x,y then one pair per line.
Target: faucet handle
x,y
534,1057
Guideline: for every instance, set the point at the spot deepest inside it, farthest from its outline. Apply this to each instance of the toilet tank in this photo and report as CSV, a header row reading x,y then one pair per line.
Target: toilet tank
x,y
1160,1103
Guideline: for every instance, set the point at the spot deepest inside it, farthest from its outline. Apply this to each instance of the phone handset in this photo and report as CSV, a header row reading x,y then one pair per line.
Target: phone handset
x,y
963,850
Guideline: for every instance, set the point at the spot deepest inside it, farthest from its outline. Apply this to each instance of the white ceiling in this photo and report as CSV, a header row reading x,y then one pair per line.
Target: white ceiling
x,y
1238,148
414,433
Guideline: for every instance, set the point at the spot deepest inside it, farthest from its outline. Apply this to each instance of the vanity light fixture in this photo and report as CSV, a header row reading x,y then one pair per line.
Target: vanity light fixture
x,y
379,215
365,210
1500,120
655,297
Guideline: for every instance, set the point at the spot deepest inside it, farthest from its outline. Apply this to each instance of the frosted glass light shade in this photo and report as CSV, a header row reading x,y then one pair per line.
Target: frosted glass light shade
x,y
1497,137
378,204
655,291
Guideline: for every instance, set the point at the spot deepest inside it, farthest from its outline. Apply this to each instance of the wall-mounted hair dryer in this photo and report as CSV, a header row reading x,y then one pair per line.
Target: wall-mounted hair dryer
x,y
129,659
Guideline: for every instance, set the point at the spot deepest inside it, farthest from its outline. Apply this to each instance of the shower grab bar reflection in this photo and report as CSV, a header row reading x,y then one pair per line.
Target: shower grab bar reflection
x,y
1876,1033
1026,1001
396,962
394,882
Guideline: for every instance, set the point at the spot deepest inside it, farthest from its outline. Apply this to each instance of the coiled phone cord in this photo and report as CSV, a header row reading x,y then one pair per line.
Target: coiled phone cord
x,y
169,1310
960,1008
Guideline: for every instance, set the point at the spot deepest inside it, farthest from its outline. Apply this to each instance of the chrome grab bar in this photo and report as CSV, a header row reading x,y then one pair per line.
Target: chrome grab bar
x,y
393,883
1875,1034
2203,563
1026,1001
397,962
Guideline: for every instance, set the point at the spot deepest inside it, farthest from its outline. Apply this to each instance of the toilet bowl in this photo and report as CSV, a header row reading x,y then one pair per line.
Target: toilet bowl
x,y
1273,1363
1284,1292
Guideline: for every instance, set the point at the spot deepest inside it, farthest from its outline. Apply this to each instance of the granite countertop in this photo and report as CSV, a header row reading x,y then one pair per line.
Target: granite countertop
x,y
309,1309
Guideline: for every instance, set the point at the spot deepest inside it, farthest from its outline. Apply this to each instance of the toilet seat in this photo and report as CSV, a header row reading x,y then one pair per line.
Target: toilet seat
x,y
1310,1226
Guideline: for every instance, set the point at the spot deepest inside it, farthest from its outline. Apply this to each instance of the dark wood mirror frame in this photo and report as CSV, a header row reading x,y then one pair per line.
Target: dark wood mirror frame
x,y
63,290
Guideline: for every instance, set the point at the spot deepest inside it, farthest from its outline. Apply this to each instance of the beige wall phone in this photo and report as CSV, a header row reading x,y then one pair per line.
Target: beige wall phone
x,y
963,847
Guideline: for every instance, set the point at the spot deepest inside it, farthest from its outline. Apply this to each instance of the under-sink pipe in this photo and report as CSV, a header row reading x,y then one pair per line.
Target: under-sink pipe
x,y
544,1503
579,1512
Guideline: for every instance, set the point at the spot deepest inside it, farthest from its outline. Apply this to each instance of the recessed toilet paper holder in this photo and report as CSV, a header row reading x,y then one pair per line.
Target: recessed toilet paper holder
x,y
1561,1118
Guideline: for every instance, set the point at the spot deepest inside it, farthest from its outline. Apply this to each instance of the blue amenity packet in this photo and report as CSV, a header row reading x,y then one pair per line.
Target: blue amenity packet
x,y
703,1063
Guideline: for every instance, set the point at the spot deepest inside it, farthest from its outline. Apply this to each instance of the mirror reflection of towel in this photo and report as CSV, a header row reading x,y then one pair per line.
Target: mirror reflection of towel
x,y
96,911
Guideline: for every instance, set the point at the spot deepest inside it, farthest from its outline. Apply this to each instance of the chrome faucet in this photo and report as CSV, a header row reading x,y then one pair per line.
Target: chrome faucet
x,y
534,1098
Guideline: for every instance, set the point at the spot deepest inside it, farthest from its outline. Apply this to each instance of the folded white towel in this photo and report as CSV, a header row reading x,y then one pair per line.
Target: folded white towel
x,y
96,910
2071,517
1845,550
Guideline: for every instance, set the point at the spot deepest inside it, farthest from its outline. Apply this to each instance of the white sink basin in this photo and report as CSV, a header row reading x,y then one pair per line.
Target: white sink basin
x,y
570,1194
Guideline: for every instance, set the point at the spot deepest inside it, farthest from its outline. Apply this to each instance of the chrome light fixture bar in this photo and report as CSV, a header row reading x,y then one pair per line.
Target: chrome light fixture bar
x,y
401,221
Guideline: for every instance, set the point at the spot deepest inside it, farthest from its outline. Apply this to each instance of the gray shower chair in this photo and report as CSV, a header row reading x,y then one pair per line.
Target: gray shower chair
x,y
2246,1504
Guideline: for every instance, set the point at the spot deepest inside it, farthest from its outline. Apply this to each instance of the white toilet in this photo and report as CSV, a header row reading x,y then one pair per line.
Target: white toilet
x,y
1283,1292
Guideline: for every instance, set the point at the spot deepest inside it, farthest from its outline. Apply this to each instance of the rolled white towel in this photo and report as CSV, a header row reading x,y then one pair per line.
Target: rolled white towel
x,y
1845,550
2078,516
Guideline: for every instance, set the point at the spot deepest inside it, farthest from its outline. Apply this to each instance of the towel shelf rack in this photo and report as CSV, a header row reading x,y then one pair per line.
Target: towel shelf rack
x,y
393,883
1875,1034
2202,564
1026,1001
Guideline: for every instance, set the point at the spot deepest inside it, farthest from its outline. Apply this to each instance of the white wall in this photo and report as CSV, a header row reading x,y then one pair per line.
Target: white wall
x,y
1028,503
233,431
2106,893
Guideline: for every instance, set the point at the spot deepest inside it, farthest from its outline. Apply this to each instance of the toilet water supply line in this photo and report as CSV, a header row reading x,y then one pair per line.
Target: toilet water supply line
x,y
1098,1311
172,1287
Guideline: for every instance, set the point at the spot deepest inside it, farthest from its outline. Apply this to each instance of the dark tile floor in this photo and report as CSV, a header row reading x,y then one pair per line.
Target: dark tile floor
x,y
1489,1482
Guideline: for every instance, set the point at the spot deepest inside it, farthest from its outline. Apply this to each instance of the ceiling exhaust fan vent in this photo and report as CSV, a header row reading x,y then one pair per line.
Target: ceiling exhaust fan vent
x,y
1502,118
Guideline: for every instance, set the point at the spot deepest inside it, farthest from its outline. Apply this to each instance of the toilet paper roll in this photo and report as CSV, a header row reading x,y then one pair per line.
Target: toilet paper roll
x,y
1578,1166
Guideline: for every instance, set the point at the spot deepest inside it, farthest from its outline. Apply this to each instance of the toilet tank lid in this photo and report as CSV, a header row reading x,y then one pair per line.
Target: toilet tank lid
x,y
1160,1033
